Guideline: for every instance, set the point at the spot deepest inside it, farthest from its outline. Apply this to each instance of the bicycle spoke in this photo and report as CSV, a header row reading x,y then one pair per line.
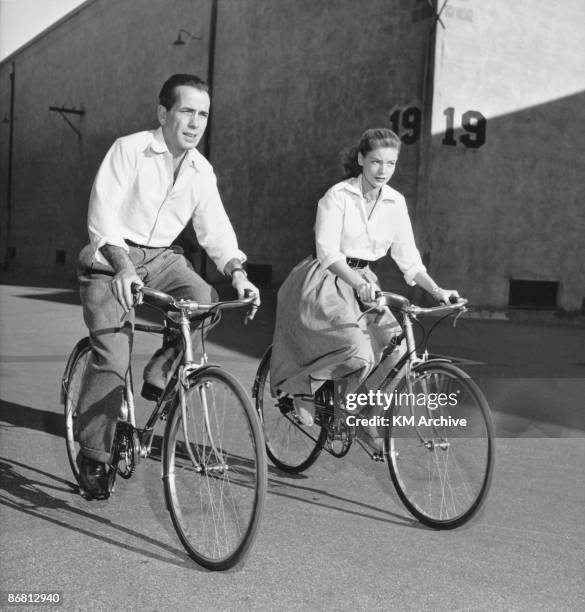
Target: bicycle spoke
x,y
441,469
215,472
291,446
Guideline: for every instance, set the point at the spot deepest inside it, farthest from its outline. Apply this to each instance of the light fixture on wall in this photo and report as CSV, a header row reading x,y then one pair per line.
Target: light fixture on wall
x,y
179,42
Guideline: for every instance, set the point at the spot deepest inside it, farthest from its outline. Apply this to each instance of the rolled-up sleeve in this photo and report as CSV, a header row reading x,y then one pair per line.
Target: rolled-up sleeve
x,y
403,250
328,228
212,226
107,195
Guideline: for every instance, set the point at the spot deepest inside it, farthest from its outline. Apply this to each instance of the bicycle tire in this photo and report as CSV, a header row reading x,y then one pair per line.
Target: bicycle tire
x,y
291,446
441,472
71,386
215,504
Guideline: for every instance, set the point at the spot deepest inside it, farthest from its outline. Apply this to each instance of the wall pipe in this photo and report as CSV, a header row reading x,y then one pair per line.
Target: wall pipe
x,y
210,79
9,178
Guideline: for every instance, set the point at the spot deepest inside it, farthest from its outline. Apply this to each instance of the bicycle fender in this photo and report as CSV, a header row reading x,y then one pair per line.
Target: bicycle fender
x,y
256,384
200,369
437,360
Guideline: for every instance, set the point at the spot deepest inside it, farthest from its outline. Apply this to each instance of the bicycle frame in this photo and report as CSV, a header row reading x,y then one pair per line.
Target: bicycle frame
x,y
179,379
402,370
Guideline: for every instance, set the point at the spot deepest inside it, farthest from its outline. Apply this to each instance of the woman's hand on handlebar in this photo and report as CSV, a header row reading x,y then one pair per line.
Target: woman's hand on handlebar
x,y
366,292
446,296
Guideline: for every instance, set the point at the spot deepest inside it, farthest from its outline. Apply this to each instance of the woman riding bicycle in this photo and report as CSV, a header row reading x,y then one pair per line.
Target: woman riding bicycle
x,y
321,330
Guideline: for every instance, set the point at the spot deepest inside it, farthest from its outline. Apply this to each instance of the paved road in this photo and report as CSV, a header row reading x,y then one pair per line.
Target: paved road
x,y
335,538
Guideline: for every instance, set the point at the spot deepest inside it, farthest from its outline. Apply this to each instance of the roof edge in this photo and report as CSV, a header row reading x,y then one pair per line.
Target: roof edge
x,y
10,57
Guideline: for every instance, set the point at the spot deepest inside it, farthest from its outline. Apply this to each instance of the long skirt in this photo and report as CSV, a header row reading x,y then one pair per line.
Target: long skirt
x,y
321,333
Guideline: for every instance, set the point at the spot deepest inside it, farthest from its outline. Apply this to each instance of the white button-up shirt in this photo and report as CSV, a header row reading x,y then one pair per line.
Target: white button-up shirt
x,y
133,198
343,229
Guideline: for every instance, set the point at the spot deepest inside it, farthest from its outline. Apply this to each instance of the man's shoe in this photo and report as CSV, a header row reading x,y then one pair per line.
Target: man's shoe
x,y
93,478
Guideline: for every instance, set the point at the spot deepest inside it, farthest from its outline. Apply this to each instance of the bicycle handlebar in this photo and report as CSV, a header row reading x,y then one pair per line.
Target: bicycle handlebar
x,y
394,300
164,300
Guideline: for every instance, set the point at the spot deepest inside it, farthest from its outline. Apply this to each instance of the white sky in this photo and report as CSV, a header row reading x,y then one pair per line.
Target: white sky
x,y
21,20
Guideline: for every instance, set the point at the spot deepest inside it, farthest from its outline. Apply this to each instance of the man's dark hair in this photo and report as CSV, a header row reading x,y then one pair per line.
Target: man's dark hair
x,y
167,95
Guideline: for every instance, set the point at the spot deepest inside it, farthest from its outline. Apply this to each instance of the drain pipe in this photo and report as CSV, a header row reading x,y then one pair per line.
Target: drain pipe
x,y
9,177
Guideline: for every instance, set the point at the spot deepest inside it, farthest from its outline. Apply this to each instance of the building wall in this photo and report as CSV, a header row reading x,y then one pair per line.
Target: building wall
x,y
295,82
108,58
511,208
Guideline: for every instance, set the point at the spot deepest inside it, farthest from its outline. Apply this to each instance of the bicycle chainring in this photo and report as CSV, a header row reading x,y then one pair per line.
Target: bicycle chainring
x,y
339,437
126,449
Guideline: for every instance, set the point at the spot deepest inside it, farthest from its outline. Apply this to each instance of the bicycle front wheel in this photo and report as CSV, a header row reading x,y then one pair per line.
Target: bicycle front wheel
x,y
71,387
214,469
440,444
291,446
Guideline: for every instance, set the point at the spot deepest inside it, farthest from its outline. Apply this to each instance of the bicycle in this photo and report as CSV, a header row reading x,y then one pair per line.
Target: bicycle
x,y
214,467
440,467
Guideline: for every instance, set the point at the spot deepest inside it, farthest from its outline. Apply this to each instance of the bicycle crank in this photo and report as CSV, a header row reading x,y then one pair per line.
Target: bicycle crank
x,y
126,449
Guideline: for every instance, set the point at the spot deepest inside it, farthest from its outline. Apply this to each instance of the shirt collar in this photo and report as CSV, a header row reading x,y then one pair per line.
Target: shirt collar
x,y
158,145
354,186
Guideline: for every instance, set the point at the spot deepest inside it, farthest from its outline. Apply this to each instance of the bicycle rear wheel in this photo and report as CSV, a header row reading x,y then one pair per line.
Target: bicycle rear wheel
x,y
291,446
214,469
440,465
71,387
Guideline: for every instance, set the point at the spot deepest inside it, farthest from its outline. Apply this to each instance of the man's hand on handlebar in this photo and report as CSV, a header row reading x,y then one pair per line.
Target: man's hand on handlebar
x,y
244,289
123,285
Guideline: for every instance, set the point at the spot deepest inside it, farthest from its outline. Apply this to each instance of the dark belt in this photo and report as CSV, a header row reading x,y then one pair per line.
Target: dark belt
x,y
352,262
141,246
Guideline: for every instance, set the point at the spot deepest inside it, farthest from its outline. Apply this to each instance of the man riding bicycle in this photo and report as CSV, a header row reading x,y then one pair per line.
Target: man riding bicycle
x,y
150,185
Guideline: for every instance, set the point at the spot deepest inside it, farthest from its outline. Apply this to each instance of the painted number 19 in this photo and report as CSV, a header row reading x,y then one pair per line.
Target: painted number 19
x,y
407,123
474,124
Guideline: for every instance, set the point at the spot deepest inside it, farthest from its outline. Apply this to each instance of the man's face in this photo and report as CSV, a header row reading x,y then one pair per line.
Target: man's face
x,y
184,124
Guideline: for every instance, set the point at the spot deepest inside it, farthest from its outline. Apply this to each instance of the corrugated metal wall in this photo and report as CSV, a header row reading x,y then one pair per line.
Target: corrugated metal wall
x,y
296,81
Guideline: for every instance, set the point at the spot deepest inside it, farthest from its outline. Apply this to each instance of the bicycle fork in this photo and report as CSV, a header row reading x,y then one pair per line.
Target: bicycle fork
x,y
206,397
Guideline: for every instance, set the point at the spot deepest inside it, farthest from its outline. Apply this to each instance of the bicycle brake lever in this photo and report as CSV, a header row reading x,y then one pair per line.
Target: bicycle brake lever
x,y
251,314
457,316
370,309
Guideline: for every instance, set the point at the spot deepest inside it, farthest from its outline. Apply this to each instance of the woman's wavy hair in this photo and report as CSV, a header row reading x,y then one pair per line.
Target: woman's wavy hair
x,y
374,138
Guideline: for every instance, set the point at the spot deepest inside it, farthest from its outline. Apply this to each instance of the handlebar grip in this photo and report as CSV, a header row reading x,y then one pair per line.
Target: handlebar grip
x,y
157,298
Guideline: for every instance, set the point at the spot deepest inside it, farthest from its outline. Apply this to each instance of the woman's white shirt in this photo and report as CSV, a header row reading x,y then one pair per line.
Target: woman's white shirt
x,y
343,229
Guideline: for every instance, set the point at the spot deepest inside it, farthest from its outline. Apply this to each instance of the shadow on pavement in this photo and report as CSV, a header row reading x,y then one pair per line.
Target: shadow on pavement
x,y
30,497
32,418
280,483
363,510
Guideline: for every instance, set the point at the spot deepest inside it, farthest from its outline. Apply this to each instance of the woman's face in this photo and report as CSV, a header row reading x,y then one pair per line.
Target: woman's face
x,y
378,165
